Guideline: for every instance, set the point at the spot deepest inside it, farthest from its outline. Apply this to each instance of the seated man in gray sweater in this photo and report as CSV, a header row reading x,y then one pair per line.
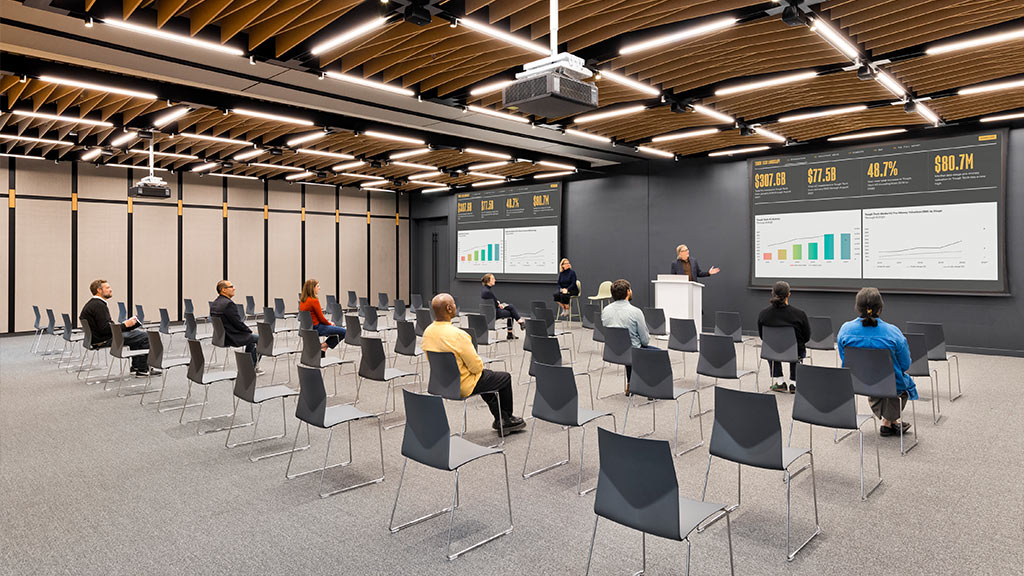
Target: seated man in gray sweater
x,y
621,314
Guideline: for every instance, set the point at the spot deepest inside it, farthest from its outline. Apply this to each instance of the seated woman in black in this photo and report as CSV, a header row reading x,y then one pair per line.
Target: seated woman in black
x,y
567,287
781,314
501,309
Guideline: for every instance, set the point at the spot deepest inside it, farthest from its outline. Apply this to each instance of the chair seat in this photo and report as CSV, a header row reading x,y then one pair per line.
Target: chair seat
x,y
813,346
282,352
265,393
77,337
488,360
791,454
328,362
584,416
693,512
172,362
211,377
463,451
133,353
202,337
341,413
281,329
175,330
392,373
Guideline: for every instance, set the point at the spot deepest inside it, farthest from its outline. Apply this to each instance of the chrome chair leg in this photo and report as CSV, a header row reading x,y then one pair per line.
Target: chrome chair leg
x,y
790,555
529,444
451,517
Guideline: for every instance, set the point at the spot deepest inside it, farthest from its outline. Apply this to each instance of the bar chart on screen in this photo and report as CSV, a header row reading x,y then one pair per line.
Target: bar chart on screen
x,y
481,251
808,245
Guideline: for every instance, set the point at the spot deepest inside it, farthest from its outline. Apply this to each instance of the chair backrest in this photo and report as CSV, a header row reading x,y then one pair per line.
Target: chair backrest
x,y
382,300
617,346
822,336
122,312
417,302
270,317
331,299
196,361
86,334
188,306
140,313
544,350
250,306
445,379
778,343
218,331
427,435
51,322
481,334
353,300
747,428
35,311
165,321
245,381
362,303
353,330
729,324
682,334
369,318
872,371
156,349
548,316
372,361
557,400
934,337
598,334
305,320
534,327
717,356
68,329
116,340
655,320
489,312
311,407
241,310
337,313
405,342
423,319
279,307
604,290
190,326
825,397
652,374
589,311
265,342
399,309
918,345
472,335
637,485
310,354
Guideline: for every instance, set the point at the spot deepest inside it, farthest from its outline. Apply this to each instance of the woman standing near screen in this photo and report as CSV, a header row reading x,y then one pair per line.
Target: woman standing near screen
x,y
567,286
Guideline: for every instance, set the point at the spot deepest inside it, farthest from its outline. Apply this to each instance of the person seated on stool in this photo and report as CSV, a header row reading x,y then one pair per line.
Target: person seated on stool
x,y
686,265
309,301
96,314
870,331
441,336
567,287
501,309
621,314
236,333
781,314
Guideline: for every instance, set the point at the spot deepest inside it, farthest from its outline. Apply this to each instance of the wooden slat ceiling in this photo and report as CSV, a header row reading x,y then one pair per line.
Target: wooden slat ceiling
x,y
945,71
883,117
957,107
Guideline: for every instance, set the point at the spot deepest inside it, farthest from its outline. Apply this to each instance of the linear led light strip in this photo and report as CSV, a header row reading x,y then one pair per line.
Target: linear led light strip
x,y
164,154
738,151
42,116
97,87
215,139
408,154
975,42
239,176
306,138
681,135
170,116
555,165
487,165
712,113
991,87
361,176
588,136
545,175
112,165
394,137
26,156
488,88
871,134
504,36
151,32
417,166
267,116
927,113
299,175
377,189
483,183
125,138
822,113
425,175
347,166
890,83
679,36
433,190
92,154
837,40
348,35
277,167
769,134
485,175
326,154
369,83
767,82
205,167
487,153
609,114
248,154
630,83
1002,117
496,114
655,152
37,140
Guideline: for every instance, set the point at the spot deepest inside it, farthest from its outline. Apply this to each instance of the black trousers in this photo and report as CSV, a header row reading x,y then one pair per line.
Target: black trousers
x,y
137,340
500,382
510,312
250,347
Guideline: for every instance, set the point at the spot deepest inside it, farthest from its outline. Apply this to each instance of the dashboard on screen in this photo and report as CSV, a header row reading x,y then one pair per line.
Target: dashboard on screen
x,y
511,232
912,216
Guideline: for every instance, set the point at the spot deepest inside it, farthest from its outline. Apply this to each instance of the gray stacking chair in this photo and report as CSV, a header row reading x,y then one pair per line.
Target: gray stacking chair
x,y
822,337
485,360
37,326
617,350
353,301
825,398
778,344
140,315
936,340
423,319
652,379
363,303
717,360
331,300
482,333
265,348
597,335
189,308
312,409
70,337
747,431
654,318
428,440
337,314
874,375
197,374
405,345
489,313
371,322
557,402
417,302
637,488
123,355
157,360
446,381
247,391
167,329
250,308
353,331
279,310
311,357
373,366
682,337
89,346
548,316
546,350
729,324
398,310
270,316
383,302
122,312
305,320
587,321
919,368
51,328
534,328
191,331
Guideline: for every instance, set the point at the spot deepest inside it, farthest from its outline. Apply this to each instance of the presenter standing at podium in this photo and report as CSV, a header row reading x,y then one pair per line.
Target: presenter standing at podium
x,y
686,265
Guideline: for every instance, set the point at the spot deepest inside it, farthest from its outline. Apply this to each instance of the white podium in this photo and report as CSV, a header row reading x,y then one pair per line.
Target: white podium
x,y
678,297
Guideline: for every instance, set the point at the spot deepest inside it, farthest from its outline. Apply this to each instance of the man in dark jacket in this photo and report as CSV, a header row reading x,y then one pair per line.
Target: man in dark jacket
x,y
97,316
686,265
236,333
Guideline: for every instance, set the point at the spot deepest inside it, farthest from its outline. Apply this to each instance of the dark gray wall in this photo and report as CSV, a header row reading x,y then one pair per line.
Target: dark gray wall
x,y
627,226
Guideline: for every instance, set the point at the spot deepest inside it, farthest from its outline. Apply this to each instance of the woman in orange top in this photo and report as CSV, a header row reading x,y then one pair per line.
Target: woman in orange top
x,y
309,302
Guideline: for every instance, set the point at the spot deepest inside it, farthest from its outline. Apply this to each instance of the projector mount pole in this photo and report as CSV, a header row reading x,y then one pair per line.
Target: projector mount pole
x,y
151,141
553,21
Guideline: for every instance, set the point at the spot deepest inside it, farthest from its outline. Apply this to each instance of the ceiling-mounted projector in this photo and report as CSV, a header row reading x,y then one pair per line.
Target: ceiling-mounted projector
x,y
150,187
552,88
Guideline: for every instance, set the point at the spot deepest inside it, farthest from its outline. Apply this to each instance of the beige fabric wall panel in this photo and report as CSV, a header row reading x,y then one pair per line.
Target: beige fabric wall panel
x,y
352,259
102,240
200,190
285,264
382,257
320,257
403,257
202,256
44,179
285,196
42,259
382,203
245,254
320,198
245,193
353,201
105,182
155,259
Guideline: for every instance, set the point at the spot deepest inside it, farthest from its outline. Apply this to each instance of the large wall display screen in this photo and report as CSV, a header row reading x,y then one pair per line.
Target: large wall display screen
x,y
511,232
912,216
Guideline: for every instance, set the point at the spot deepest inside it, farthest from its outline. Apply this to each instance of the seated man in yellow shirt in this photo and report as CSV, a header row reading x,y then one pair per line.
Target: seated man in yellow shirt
x,y
441,336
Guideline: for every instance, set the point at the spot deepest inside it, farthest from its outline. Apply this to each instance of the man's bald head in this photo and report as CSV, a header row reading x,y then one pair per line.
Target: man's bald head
x,y
444,307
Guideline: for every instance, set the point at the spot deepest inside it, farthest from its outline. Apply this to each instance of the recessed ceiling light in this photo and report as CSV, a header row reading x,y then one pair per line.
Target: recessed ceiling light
x,y
180,38
42,116
98,87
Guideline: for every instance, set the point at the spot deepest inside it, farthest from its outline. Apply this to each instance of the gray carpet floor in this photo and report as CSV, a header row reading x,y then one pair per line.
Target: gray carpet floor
x,y
91,483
